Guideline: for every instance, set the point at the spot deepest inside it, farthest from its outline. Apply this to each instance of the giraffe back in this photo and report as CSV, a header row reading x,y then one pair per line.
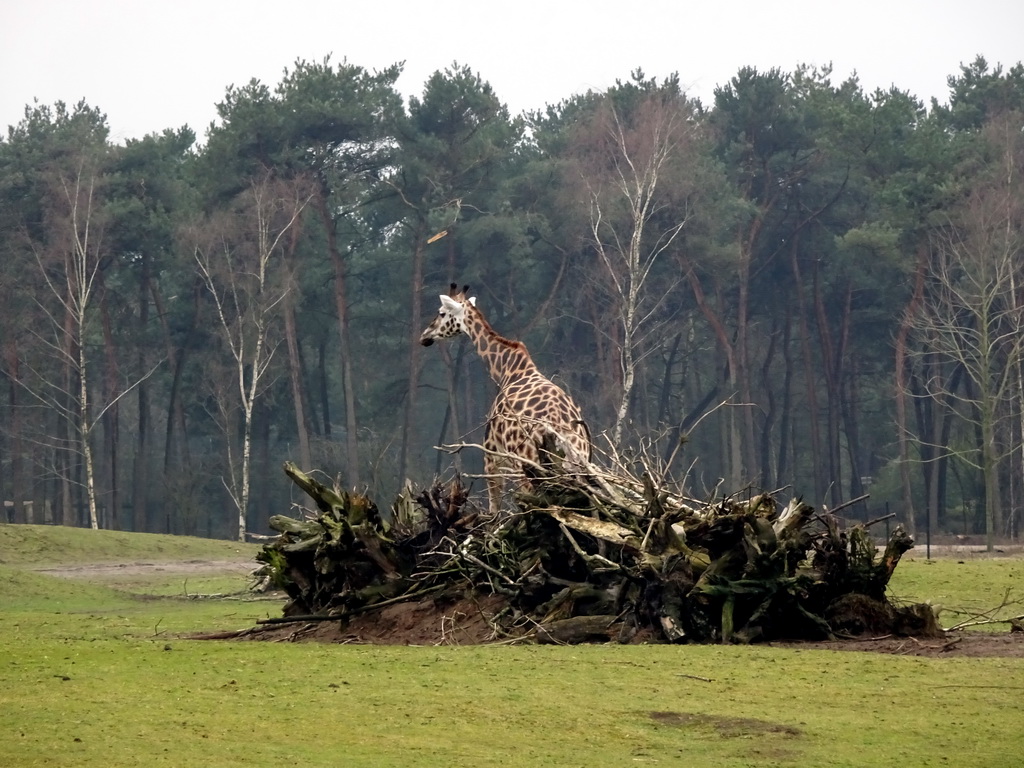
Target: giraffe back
x,y
529,408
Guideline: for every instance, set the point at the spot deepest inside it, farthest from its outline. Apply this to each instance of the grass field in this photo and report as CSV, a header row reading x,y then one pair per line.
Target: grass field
x,y
95,672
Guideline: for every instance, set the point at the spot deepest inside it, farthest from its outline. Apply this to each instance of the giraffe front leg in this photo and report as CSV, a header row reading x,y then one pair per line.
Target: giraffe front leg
x,y
495,484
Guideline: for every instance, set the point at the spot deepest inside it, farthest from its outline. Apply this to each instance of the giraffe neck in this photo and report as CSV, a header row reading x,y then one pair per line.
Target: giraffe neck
x,y
505,359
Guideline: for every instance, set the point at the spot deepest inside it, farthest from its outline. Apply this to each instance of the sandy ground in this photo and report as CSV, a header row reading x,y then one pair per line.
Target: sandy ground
x,y
965,551
465,622
174,567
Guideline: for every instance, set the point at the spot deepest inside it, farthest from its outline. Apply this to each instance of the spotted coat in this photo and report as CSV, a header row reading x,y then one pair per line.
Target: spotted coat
x,y
528,407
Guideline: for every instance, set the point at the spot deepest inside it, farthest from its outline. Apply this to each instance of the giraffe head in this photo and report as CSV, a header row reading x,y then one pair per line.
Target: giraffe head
x,y
451,317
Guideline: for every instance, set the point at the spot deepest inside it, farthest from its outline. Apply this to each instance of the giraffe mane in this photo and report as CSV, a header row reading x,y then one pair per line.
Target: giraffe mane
x,y
504,341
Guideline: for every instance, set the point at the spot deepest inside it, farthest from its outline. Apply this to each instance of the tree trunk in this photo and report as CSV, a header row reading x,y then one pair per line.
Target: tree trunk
x,y
18,488
140,469
85,436
66,512
742,361
415,321
111,418
948,418
306,378
832,367
177,454
174,407
264,474
451,412
295,380
848,404
810,382
628,379
325,400
665,395
345,341
937,439
294,357
730,457
243,495
902,386
771,410
786,417
990,472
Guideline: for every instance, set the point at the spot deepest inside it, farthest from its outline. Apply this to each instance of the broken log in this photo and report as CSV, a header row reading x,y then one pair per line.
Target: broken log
x,y
590,556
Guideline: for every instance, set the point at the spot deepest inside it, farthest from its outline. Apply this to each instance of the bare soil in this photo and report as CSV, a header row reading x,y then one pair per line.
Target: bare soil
x,y
184,567
966,549
960,644
425,622
469,622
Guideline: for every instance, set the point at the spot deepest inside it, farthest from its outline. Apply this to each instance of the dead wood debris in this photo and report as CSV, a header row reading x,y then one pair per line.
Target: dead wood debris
x,y
594,557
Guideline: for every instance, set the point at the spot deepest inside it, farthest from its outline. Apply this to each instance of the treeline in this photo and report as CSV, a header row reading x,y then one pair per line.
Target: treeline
x,y
801,284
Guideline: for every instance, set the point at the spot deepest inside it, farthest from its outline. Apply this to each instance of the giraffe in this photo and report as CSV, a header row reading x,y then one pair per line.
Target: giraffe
x,y
528,407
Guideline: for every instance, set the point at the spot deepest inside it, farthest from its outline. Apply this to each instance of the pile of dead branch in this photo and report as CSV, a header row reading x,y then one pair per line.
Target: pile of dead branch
x,y
593,557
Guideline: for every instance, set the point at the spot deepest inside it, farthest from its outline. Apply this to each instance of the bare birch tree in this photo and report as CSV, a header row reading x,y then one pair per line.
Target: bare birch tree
x,y
240,260
70,268
635,171
71,279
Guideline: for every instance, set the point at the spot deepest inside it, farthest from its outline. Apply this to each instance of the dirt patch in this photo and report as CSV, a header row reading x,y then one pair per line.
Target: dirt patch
x,y
114,570
427,622
962,644
728,727
470,622
964,550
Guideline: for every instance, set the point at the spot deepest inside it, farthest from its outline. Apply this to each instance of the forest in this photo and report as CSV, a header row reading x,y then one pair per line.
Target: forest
x,y
799,286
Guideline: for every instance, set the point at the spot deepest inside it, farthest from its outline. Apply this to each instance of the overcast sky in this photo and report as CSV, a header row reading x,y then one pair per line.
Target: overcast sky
x,y
151,65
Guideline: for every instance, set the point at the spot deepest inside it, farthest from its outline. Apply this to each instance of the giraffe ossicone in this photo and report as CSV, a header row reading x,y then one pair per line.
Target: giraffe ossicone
x,y
529,410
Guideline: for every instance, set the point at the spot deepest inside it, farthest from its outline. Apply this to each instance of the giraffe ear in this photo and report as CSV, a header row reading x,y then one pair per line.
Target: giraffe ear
x,y
448,303
472,300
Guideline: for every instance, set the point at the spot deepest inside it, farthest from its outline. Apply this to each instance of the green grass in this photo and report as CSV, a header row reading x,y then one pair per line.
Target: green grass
x,y
41,545
97,676
960,589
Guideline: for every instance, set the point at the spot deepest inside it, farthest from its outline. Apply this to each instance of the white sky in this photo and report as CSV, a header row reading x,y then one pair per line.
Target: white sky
x,y
152,65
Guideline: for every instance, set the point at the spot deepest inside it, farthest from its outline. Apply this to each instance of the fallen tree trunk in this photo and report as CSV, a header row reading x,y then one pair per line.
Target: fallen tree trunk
x,y
593,556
